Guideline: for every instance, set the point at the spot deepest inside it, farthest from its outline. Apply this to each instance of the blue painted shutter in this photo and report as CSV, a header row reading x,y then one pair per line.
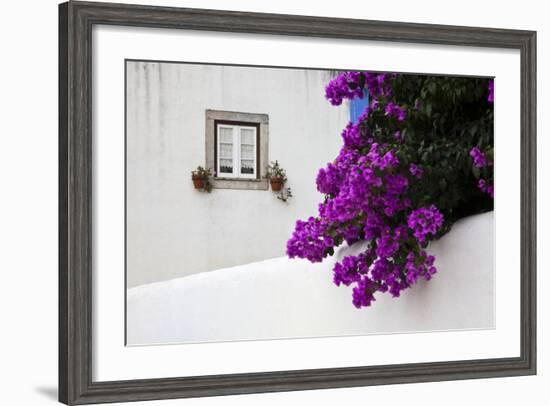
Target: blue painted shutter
x,y
357,106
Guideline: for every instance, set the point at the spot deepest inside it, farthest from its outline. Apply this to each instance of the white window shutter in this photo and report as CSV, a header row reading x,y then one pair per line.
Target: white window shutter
x,y
226,151
247,164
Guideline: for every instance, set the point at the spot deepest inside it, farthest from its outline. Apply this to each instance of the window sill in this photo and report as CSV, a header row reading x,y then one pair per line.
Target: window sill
x,y
239,184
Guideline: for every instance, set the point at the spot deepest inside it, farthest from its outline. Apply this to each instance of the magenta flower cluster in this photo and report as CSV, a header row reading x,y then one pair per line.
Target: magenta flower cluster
x,y
344,86
478,157
416,171
366,199
393,110
425,221
480,160
350,85
487,187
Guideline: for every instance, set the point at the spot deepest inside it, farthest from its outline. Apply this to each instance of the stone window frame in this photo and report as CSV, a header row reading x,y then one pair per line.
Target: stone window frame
x,y
253,119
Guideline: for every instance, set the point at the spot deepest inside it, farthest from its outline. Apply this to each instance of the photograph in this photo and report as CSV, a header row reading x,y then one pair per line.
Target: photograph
x,y
266,202
254,202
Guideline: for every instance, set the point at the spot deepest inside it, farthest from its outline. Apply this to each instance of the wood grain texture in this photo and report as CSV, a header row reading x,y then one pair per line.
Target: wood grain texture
x,y
63,111
76,20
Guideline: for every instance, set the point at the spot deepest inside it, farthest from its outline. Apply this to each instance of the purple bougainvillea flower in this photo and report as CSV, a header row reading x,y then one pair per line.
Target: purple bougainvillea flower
x,y
363,293
478,157
486,187
347,85
344,86
416,171
424,221
394,110
368,193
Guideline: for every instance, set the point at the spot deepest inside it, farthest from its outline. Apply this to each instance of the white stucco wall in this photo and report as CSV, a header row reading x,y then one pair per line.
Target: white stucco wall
x,y
282,298
174,230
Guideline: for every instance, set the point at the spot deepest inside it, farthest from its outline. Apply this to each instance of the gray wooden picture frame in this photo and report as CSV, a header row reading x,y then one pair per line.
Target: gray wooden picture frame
x,y
76,20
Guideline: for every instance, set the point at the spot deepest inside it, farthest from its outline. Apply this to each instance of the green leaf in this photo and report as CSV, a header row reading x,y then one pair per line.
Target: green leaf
x,y
429,108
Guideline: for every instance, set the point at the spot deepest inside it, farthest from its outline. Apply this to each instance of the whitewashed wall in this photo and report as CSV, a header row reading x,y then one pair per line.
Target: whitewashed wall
x,y
174,230
278,298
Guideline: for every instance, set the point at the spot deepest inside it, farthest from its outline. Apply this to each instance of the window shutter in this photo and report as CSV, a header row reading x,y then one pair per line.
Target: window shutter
x,y
357,106
248,151
225,150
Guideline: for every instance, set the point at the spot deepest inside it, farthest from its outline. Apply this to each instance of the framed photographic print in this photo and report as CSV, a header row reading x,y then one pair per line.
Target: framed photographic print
x,y
258,202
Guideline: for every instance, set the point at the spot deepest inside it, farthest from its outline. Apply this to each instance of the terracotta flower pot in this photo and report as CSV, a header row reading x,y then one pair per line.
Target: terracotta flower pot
x,y
198,182
276,184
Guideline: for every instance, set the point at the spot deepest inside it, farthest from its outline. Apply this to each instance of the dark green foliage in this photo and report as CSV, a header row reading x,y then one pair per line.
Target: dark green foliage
x,y
446,117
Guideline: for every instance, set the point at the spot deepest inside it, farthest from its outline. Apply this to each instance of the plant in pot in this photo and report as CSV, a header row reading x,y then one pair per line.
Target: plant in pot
x,y
200,177
276,175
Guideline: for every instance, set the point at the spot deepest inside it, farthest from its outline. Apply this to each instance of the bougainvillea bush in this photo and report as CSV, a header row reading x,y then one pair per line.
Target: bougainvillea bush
x,y
419,158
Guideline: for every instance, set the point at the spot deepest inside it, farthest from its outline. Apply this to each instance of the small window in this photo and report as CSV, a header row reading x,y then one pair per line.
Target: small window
x,y
236,151
237,147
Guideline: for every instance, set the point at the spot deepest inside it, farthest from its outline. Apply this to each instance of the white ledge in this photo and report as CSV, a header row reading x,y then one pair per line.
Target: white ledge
x,y
282,298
